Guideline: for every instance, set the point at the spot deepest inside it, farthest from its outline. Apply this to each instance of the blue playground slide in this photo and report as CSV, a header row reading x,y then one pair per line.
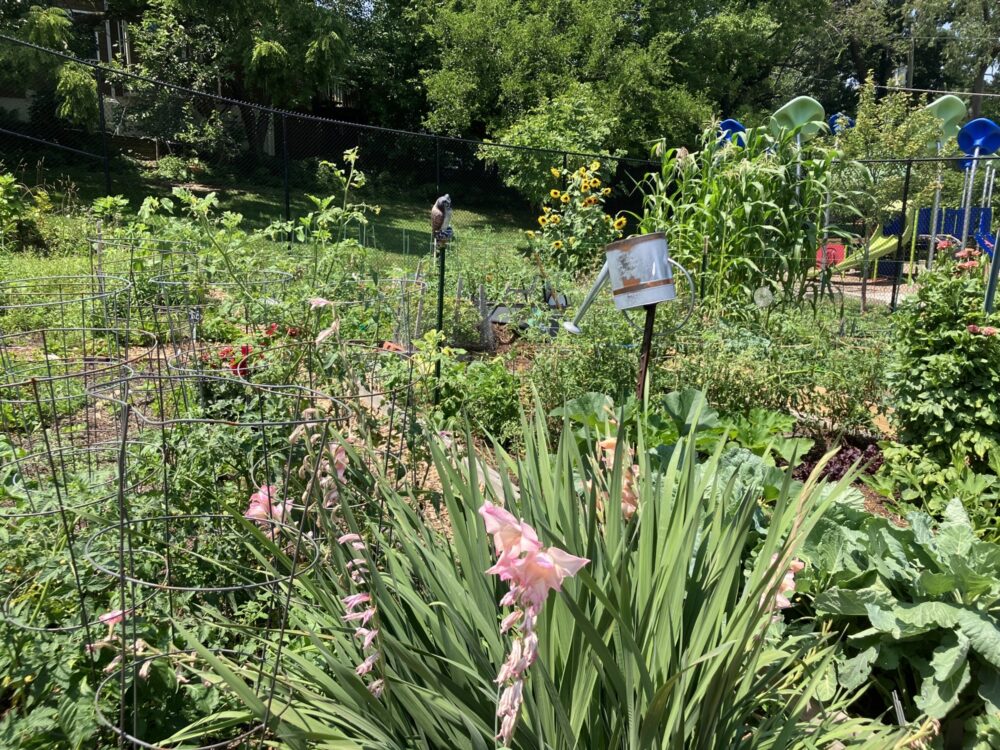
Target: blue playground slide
x,y
986,241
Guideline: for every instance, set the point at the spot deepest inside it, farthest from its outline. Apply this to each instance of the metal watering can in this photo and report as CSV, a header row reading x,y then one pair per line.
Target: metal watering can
x,y
639,269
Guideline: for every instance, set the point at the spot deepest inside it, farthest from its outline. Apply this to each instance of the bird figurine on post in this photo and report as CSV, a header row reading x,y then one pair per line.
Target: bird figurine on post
x,y
441,221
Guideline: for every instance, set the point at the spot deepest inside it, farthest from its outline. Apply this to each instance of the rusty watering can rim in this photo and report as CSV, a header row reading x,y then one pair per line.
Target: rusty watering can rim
x,y
629,243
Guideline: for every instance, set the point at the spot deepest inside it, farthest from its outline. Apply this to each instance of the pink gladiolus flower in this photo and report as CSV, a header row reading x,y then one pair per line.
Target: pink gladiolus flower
x,y
353,601
511,537
366,666
787,584
532,572
348,538
367,636
376,688
364,616
510,620
114,617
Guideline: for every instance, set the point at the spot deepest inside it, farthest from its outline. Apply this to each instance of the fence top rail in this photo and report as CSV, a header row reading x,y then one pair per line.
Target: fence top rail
x,y
107,70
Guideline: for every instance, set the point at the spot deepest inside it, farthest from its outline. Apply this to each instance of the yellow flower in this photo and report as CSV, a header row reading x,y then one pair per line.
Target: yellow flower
x,y
564,198
555,193
572,241
595,183
543,220
590,201
555,173
546,209
606,191
582,171
557,245
585,187
594,166
530,234
553,220
619,223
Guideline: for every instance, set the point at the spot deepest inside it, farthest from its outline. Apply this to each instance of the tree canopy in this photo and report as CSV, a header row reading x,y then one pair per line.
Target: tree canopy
x,y
506,68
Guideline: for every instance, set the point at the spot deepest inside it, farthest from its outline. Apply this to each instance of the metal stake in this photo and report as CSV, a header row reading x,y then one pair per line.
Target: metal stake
x,y
647,345
968,204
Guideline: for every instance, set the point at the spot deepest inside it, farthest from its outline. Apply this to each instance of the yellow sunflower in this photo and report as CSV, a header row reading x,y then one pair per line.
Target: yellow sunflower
x,y
543,220
595,183
530,235
555,173
553,220
555,193
557,245
606,191
585,187
594,166
619,223
565,198
590,201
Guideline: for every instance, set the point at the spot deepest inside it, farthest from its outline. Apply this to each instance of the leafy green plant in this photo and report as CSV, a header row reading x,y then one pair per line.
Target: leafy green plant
x,y
643,648
942,385
573,227
918,608
747,215
575,120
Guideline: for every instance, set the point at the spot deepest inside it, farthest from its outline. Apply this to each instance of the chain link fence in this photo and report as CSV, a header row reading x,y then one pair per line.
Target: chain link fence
x,y
265,163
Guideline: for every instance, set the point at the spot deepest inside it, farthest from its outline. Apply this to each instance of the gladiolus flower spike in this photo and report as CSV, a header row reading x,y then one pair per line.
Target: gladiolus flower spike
x,y
532,571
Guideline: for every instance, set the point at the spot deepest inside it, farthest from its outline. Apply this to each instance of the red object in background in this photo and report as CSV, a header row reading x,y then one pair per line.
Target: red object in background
x,y
835,253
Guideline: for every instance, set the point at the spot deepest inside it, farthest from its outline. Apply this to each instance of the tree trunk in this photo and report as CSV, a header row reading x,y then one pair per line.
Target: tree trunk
x,y
978,87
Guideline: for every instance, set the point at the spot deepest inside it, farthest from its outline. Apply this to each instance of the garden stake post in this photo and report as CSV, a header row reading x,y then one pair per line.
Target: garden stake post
x,y
104,131
991,287
440,318
897,270
284,155
647,344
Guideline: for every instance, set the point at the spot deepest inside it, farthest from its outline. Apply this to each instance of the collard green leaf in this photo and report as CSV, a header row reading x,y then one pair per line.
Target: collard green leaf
x,y
852,673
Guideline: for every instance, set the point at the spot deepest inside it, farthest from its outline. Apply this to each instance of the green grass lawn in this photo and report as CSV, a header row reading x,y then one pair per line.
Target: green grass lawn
x,y
402,228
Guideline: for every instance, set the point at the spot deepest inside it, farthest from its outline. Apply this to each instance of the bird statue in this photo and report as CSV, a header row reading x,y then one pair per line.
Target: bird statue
x,y
441,220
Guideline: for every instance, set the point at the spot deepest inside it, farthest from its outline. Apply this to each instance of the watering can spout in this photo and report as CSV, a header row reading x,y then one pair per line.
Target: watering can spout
x,y
602,277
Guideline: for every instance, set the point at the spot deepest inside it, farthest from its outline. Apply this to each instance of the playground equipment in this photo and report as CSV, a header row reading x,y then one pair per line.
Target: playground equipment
x,y
950,111
840,122
733,130
977,138
639,269
883,242
806,116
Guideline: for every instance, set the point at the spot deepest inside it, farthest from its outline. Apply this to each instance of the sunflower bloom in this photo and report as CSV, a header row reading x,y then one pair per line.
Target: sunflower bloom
x,y
585,187
530,235
595,183
555,193
619,223
543,220
555,173
554,220
606,191
595,165
564,197
557,245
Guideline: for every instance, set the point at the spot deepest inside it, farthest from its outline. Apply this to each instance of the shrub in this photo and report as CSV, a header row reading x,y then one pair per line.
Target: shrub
x,y
577,120
943,385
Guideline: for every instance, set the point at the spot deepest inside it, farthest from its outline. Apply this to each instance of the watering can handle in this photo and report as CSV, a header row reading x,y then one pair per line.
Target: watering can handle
x,y
690,307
